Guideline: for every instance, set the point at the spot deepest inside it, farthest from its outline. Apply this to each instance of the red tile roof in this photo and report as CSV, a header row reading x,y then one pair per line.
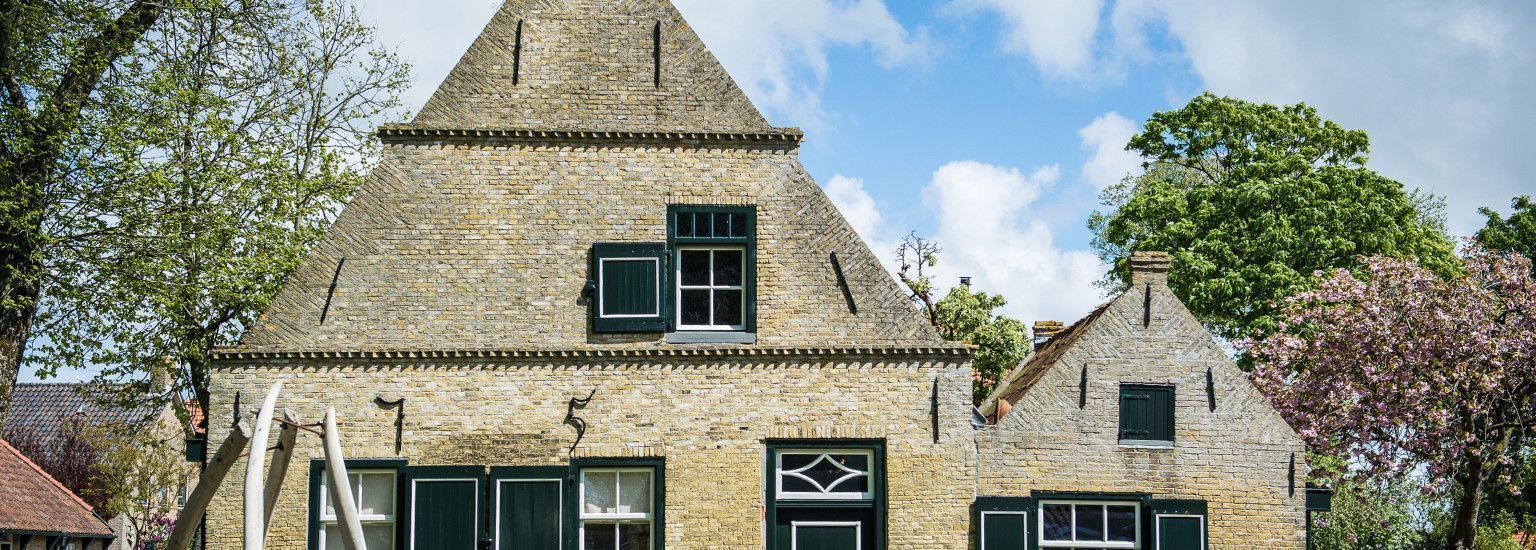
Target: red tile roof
x,y
1024,376
32,501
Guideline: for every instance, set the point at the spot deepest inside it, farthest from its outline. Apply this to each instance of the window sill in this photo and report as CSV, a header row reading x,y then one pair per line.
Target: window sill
x,y
1146,444
705,337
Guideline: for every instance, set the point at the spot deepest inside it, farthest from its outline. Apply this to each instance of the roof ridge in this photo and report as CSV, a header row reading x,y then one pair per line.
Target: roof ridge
x,y
44,473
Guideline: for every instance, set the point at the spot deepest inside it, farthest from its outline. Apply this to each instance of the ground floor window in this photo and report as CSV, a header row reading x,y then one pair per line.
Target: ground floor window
x,y
5,541
373,494
1089,521
616,508
1083,524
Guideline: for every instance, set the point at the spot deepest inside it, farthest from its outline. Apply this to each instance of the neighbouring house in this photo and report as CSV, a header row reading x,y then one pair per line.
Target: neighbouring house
x,y
45,415
590,299
38,513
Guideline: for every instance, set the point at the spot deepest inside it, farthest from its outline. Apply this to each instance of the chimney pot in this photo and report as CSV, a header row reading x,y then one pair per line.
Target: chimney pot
x,y
1044,330
1149,267
965,281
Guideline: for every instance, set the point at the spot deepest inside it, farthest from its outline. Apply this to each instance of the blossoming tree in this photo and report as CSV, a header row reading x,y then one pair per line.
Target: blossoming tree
x,y
1406,372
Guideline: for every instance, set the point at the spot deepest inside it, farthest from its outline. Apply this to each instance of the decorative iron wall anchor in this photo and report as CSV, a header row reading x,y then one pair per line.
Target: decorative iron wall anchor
x,y
574,421
399,406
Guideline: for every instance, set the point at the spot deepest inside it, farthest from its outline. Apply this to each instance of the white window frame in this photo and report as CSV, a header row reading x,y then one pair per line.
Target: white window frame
x,y
794,531
1044,543
1157,528
824,454
6,543
560,510
583,516
1023,527
370,519
711,287
602,265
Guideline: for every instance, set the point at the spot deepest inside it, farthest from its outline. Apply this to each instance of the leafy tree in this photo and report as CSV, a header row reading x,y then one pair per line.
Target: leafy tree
x,y
1407,372
70,457
245,126
1369,517
964,315
1516,233
1252,199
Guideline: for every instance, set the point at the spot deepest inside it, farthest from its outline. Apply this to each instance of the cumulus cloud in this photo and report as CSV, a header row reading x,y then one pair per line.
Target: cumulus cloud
x,y
856,204
1108,161
991,230
1057,35
1442,88
782,61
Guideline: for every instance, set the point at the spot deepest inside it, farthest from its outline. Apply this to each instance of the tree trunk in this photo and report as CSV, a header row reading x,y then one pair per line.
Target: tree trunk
x,y
1464,531
18,308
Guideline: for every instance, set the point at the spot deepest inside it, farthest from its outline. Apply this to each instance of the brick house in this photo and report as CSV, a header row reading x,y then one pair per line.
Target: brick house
x,y
590,299
38,513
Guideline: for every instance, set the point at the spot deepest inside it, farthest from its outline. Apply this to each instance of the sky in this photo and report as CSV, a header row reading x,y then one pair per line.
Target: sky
x,y
993,125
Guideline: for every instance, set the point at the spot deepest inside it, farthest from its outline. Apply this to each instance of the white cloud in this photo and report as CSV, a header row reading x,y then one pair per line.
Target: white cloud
x,y
1057,35
777,49
1109,162
856,204
1442,88
991,230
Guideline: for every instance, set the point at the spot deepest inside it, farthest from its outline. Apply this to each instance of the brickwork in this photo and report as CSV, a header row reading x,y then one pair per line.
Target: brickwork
x,y
1236,458
708,416
589,65
477,245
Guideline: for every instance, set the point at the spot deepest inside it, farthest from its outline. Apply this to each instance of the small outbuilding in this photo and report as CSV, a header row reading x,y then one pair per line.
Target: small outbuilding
x,y
37,512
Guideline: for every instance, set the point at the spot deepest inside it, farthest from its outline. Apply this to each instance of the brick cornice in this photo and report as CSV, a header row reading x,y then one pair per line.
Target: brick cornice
x,y
401,133
952,352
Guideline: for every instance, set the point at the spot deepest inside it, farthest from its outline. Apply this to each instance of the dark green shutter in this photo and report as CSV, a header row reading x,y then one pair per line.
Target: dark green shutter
x,y
443,507
1178,524
526,511
1004,531
1146,413
628,295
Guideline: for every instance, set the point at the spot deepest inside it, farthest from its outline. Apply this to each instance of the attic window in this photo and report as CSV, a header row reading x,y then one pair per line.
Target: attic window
x,y
1146,415
713,269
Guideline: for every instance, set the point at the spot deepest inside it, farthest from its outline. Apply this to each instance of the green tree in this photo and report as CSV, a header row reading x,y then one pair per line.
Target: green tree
x,y
1367,517
1251,200
1517,232
964,315
259,117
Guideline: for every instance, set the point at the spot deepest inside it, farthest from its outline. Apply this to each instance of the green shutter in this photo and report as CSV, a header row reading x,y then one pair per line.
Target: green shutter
x,y
526,508
1004,531
1146,413
443,510
1178,524
628,295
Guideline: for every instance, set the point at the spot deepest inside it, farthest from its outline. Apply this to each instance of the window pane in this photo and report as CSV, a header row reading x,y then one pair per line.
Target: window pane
x,y
378,495
695,307
738,225
634,493
727,307
695,267
684,224
599,489
1122,523
722,226
600,536
634,536
379,536
792,484
330,505
1058,522
333,538
728,267
1090,522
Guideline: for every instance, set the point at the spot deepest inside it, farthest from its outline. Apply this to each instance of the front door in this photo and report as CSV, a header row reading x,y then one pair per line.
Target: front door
x,y
527,514
1180,533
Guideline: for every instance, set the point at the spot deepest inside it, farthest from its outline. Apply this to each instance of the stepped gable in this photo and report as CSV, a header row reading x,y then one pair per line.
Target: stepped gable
x,y
590,65
465,239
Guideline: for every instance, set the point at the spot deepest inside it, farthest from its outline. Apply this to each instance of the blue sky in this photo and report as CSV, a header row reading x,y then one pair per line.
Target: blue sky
x,y
992,125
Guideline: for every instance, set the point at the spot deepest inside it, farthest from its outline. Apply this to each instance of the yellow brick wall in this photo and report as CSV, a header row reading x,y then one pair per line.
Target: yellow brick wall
x,y
707,416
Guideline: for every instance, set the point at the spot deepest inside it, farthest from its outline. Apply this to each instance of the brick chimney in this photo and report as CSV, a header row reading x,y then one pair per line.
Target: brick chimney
x,y
1149,267
1044,330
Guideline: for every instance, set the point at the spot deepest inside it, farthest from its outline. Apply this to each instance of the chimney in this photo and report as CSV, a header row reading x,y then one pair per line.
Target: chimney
x,y
1044,330
965,282
1149,267
160,378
